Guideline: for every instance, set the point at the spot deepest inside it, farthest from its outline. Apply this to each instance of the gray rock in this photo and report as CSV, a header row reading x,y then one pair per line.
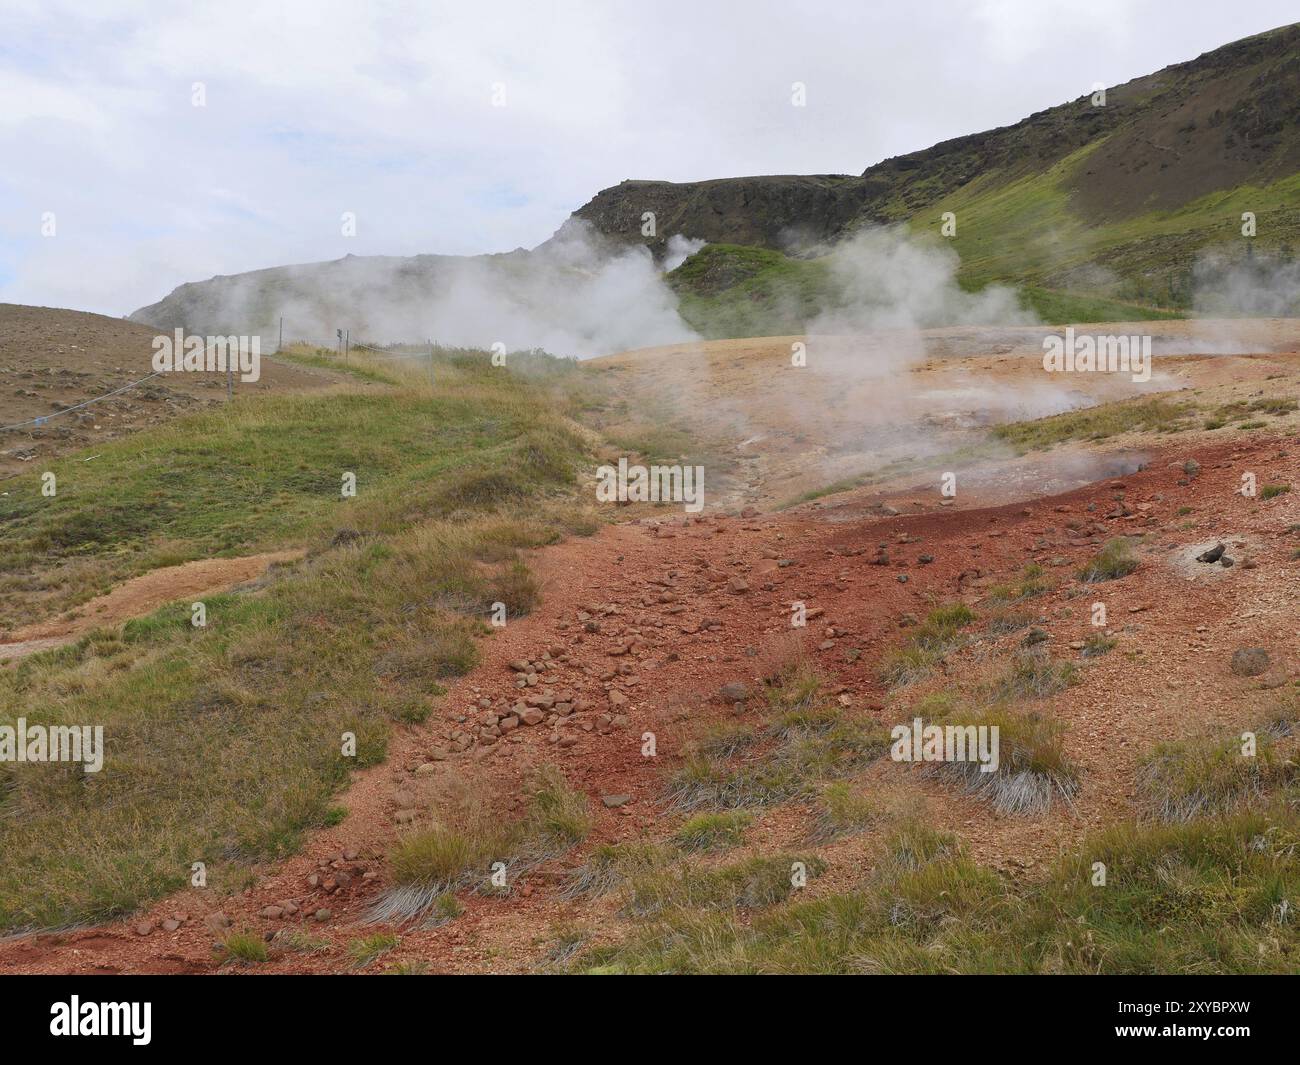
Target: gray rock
x,y
1250,661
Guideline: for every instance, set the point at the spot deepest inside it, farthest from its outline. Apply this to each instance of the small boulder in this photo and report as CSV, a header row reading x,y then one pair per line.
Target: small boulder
x,y
1250,661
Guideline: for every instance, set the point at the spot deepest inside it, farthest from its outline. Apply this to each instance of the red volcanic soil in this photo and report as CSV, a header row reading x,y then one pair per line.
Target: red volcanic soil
x,y
641,625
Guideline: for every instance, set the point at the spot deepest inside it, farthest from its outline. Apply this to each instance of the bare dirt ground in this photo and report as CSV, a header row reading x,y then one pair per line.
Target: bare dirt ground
x,y
51,359
791,429
641,625
666,591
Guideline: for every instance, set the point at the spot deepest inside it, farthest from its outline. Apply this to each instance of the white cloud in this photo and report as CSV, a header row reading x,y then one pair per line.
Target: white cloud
x,y
316,107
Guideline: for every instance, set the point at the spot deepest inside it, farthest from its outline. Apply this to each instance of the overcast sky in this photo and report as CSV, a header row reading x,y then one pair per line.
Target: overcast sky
x,y
386,110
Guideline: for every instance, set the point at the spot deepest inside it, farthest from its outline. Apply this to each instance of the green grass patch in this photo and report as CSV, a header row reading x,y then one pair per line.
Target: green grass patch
x,y
1156,415
474,842
1186,779
1113,561
1206,897
370,948
841,812
224,744
929,644
246,947
805,739
714,831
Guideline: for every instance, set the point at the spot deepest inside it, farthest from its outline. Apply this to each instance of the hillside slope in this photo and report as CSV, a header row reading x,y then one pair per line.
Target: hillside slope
x,y
1227,119
1124,209
1125,201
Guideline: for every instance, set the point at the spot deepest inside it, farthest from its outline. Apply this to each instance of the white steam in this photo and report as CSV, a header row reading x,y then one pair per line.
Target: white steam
x,y
575,295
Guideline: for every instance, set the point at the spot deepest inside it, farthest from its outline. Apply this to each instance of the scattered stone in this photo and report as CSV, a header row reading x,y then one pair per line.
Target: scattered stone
x,y
734,691
144,928
1250,661
1213,554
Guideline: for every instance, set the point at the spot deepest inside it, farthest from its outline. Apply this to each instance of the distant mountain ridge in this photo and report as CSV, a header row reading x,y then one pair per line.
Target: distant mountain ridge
x,y
1118,200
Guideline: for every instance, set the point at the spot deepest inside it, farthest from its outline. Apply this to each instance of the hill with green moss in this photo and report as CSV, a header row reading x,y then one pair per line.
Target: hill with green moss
x,y
1093,207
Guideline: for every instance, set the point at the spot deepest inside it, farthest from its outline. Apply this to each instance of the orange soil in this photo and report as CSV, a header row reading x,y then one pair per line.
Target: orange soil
x,y
1176,627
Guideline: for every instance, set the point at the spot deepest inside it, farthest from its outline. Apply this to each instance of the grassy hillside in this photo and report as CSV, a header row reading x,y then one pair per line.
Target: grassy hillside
x,y
223,743
1097,211
728,290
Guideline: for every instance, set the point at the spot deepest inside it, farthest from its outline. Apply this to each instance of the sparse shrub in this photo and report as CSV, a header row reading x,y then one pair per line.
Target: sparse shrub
x,y
1113,561
517,588
752,883
1268,491
1097,645
301,942
1003,622
430,864
789,769
841,812
1032,582
937,636
1032,768
726,739
1209,896
445,909
1190,778
610,865
364,951
248,947
807,738
1034,675
441,855
413,967
566,942
558,817
915,844
713,831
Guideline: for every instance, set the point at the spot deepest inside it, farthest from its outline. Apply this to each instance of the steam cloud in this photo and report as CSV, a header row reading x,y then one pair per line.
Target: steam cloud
x,y
575,295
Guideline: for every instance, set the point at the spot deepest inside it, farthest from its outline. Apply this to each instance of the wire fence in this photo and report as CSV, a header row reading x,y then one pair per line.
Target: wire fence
x,y
42,419
383,354
388,353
